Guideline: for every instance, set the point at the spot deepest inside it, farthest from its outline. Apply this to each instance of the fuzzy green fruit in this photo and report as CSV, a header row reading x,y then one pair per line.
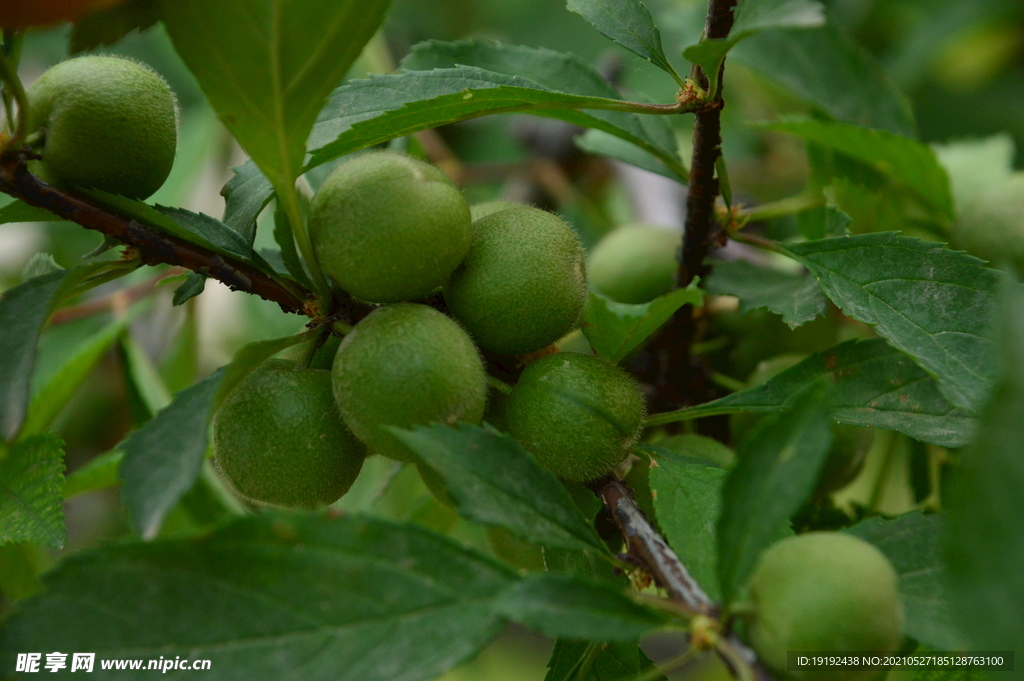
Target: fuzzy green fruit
x,y
406,365
635,263
824,591
523,284
107,122
388,228
577,414
482,210
279,440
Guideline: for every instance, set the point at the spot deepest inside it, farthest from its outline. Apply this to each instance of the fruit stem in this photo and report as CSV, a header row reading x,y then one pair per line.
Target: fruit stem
x,y
13,86
499,385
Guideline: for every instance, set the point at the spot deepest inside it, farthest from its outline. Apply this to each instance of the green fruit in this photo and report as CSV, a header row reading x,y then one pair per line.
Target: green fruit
x,y
482,210
824,591
107,123
388,228
577,414
278,438
523,284
406,365
635,263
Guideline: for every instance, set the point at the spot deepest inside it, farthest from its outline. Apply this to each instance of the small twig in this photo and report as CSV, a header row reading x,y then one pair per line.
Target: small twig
x,y
153,247
122,297
646,545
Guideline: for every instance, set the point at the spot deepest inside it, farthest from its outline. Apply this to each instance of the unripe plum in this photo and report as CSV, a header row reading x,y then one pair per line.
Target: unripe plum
x,y
107,122
279,440
405,365
387,227
523,284
635,263
577,414
824,591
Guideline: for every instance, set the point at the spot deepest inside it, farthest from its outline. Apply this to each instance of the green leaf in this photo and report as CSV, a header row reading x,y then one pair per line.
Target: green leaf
x,y
627,22
285,238
614,329
31,478
875,385
984,545
825,68
48,402
24,310
100,473
561,605
19,211
584,661
246,194
822,222
448,82
603,144
797,297
912,544
779,463
107,26
267,75
274,597
193,286
20,565
932,303
907,165
494,481
145,386
163,458
688,499
752,17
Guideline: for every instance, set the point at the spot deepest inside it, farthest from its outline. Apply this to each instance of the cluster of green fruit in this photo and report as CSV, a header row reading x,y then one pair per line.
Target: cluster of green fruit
x,y
391,229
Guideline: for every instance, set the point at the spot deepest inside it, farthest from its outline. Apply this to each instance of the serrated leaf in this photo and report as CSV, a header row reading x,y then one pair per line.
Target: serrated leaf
x,y
823,222
984,545
19,211
107,26
246,194
932,303
20,565
912,543
824,67
444,83
876,385
562,605
688,499
38,265
53,396
31,479
752,17
627,22
583,661
907,165
614,329
603,144
779,463
24,310
796,297
274,596
267,76
494,481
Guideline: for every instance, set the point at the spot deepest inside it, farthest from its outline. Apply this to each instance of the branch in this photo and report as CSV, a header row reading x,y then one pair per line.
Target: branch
x,y
645,544
707,147
154,247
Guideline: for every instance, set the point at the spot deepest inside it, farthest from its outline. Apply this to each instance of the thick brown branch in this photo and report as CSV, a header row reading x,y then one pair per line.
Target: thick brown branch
x,y
701,229
646,545
154,247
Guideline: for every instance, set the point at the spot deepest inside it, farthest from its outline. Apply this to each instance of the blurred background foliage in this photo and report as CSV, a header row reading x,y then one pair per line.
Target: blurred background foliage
x,y
959,63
